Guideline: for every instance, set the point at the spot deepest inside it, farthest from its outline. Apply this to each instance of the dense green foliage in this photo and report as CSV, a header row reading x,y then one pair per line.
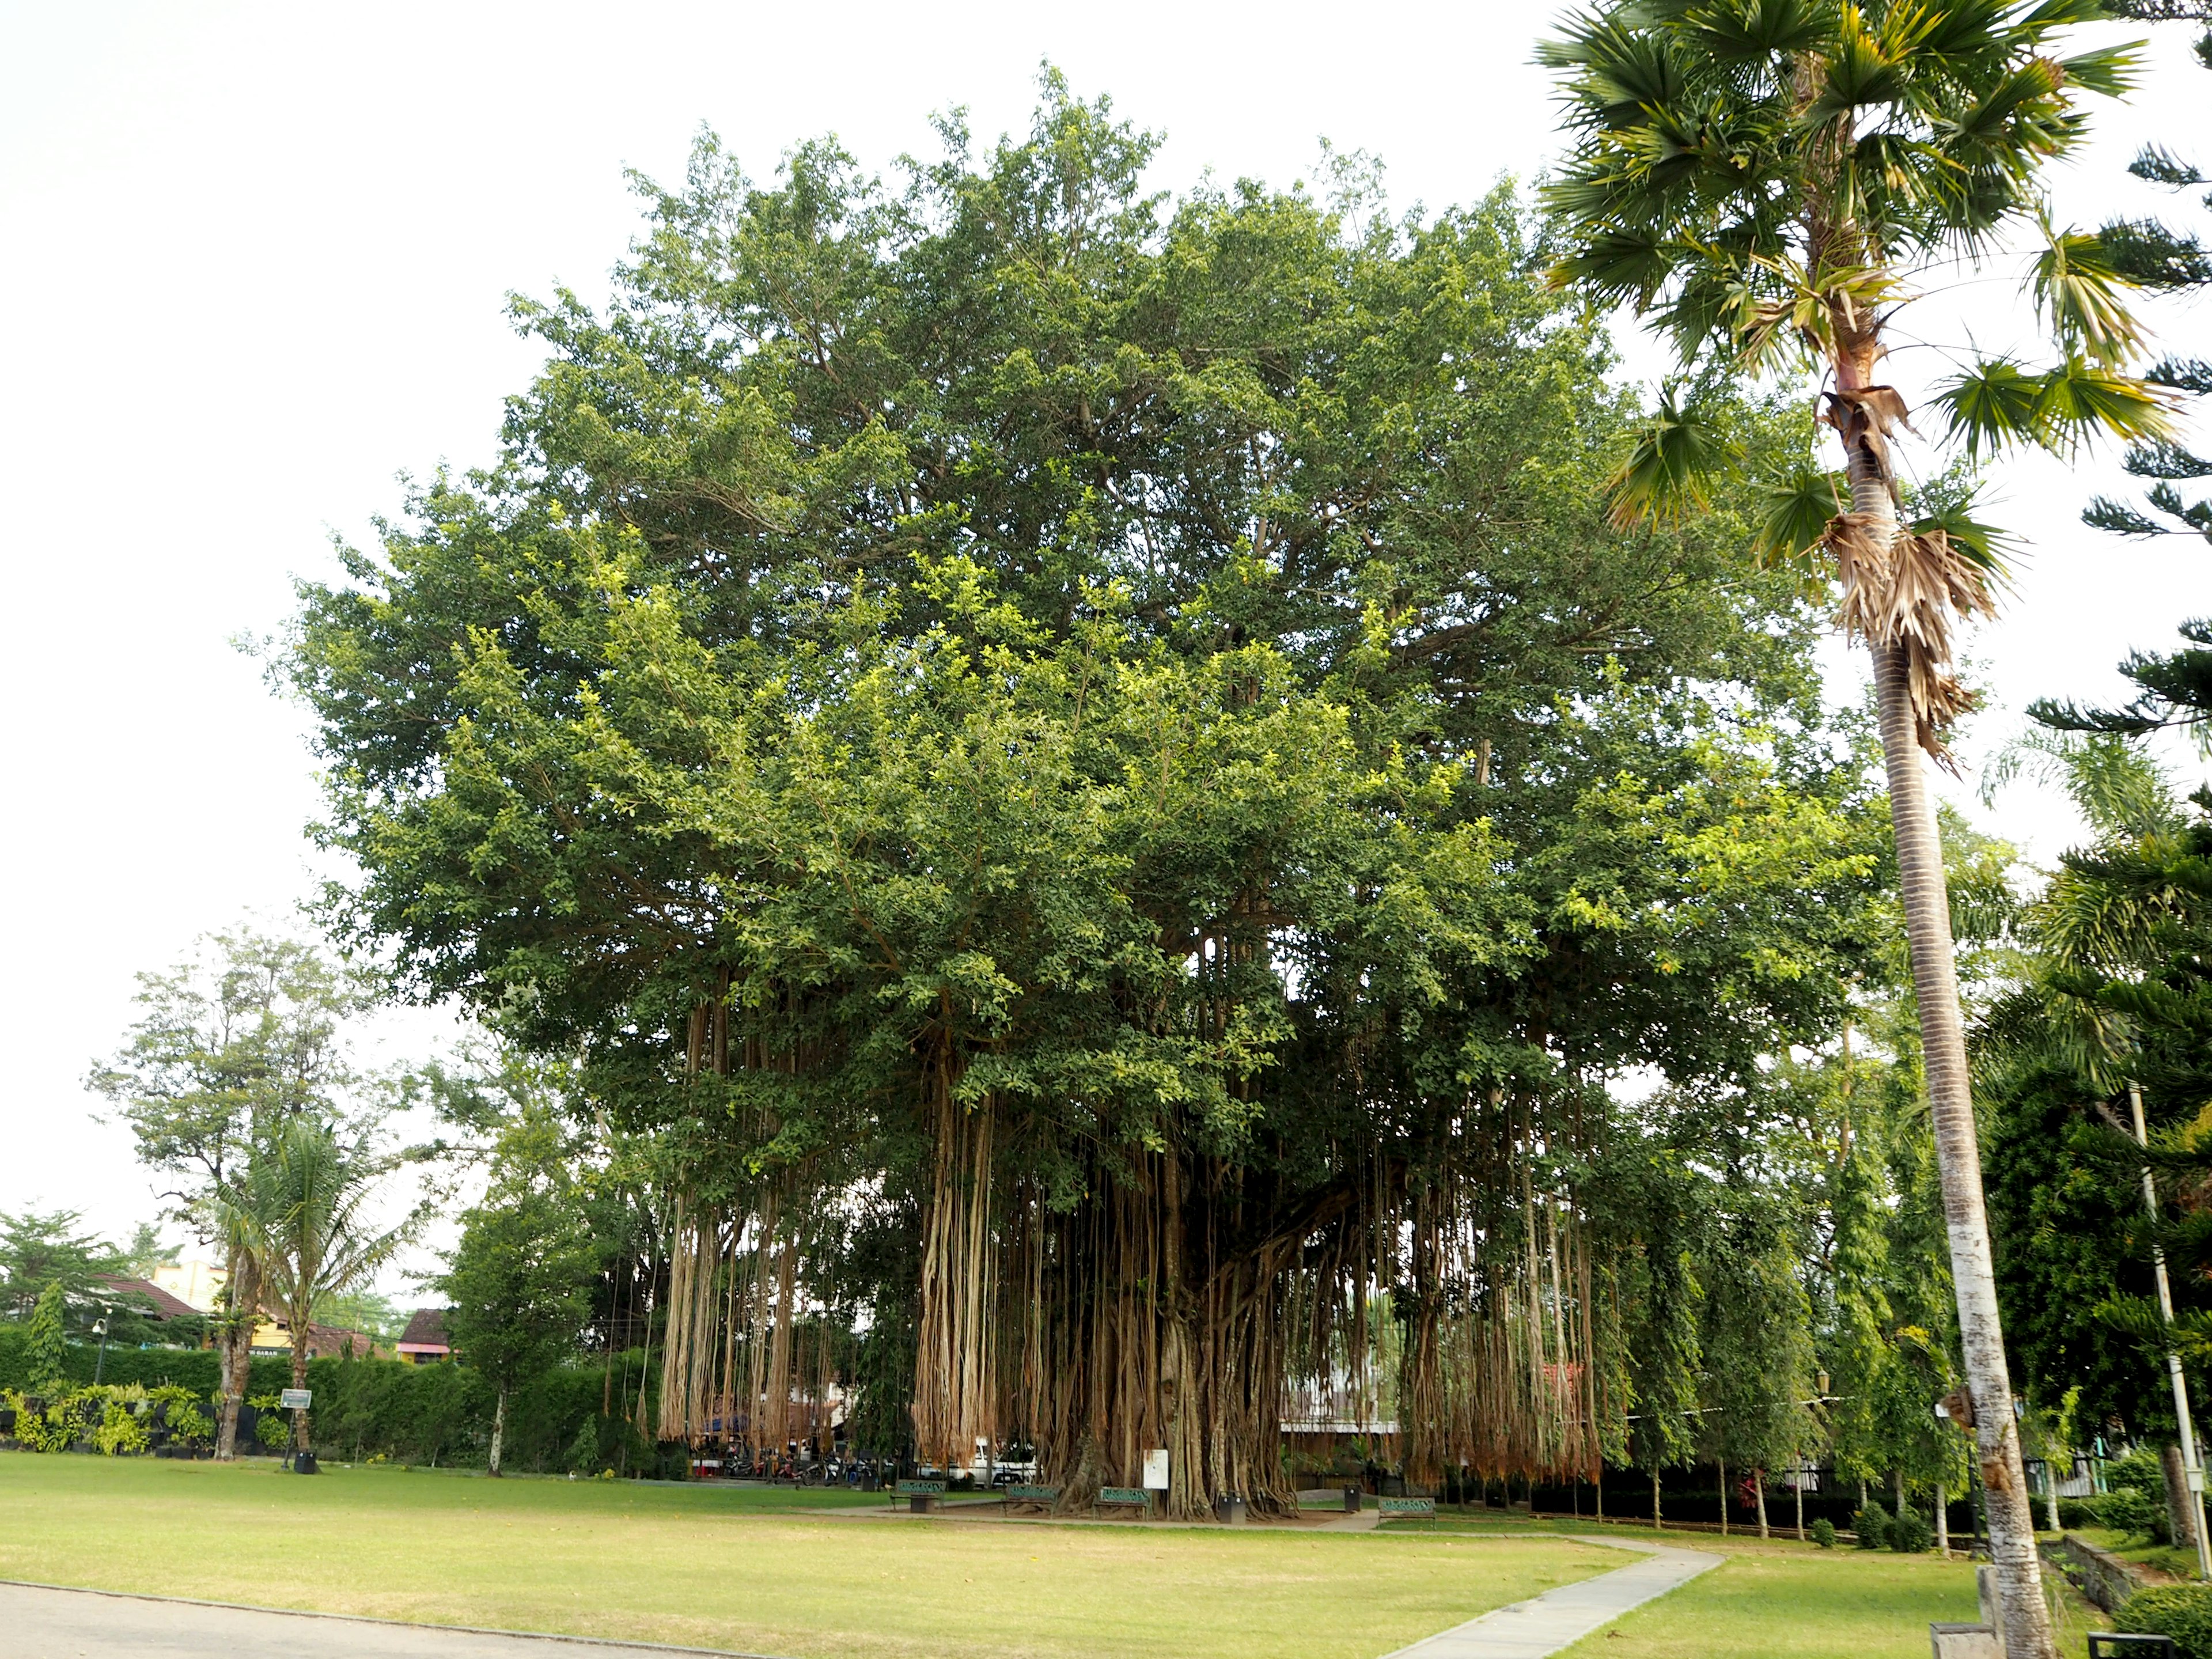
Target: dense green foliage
x,y
2181,1611
976,705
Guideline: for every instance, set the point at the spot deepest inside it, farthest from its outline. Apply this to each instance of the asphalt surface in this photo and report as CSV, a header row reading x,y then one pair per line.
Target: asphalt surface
x,y
40,1623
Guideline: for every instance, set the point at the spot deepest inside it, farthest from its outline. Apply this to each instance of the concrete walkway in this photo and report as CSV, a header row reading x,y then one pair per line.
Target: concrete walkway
x,y
1559,1617
44,1623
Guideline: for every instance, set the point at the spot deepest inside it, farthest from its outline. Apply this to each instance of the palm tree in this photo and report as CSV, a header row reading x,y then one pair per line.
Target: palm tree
x,y
301,1214
1769,180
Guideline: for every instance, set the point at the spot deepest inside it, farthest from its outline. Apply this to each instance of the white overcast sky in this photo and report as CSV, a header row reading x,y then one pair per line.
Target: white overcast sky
x,y
253,260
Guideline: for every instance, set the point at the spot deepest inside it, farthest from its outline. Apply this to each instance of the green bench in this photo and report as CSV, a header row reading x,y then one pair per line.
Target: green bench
x,y
1419,1508
1135,1498
919,1494
1047,1495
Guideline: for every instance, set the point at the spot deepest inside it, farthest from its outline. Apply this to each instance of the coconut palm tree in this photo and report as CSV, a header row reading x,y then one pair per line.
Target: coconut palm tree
x,y
301,1214
1770,181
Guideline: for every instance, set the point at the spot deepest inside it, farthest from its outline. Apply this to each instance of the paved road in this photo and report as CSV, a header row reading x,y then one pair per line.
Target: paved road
x,y
37,1623
1559,1617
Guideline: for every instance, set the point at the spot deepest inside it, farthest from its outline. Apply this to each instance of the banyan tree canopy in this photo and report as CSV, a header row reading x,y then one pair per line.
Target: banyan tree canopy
x,y
1091,768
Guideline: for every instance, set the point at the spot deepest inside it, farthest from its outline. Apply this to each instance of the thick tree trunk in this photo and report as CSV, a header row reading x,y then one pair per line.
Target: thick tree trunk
x,y
1951,1107
243,1286
498,1430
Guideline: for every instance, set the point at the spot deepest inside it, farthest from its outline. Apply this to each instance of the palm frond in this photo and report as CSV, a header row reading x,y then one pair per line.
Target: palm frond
x,y
1798,507
2084,295
1992,406
1670,467
1909,594
2081,401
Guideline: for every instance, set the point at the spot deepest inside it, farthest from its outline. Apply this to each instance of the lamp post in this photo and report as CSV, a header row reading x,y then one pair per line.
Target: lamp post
x,y
99,1329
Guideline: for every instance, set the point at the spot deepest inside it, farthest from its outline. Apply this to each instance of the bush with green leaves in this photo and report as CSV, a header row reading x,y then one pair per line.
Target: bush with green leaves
x,y
1910,1533
1871,1527
41,1426
2130,1509
2078,1512
188,1426
2182,1611
122,1431
1824,1533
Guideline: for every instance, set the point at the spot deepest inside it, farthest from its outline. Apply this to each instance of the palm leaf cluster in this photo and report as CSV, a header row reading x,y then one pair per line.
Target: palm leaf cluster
x,y
1769,181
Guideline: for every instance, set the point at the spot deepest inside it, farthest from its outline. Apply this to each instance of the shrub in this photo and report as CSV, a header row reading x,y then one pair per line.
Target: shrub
x,y
121,1431
190,1425
2181,1611
2078,1512
1910,1533
271,1429
1872,1526
2130,1509
1824,1533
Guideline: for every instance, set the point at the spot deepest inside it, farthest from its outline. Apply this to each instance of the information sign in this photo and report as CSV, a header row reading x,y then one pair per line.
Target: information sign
x,y
295,1399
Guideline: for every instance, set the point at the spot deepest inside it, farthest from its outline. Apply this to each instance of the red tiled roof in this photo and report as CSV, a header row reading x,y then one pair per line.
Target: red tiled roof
x,y
166,1306
427,1329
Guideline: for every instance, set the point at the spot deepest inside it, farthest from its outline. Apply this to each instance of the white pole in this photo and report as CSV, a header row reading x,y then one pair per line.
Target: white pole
x,y
2195,1498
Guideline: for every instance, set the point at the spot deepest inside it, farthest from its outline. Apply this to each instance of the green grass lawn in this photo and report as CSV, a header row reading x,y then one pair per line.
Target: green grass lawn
x,y
1789,1600
751,1569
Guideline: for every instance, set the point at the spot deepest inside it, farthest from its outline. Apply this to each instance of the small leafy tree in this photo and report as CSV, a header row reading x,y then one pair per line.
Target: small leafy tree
x,y
228,1046
46,1349
516,1280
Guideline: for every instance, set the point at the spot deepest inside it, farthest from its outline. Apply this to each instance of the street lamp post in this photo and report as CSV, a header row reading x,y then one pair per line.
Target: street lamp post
x,y
99,1329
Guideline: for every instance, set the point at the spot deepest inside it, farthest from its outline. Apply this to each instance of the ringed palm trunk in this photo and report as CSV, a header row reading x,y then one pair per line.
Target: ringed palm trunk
x,y
1927,903
299,1381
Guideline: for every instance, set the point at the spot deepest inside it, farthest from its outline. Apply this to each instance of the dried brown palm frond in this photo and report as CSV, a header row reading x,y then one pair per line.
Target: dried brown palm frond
x,y
1908,590
1866,418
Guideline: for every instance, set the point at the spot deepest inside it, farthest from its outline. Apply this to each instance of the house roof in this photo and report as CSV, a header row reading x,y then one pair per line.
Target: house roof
x,y
166,1306
324,1342
427,1329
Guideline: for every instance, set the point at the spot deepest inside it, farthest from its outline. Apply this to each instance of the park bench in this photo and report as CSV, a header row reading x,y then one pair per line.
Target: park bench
x,y
1134,1497
1047,1495
1417,1508
919,1494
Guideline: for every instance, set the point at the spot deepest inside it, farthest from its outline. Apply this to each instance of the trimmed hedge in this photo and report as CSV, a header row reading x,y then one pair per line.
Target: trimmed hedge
x,y
435,1414
2181,1611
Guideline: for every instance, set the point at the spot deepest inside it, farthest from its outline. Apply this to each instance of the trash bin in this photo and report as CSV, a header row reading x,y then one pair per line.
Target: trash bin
x,y
1352,1500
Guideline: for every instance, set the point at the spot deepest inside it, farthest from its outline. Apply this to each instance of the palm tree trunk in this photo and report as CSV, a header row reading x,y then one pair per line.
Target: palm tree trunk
x,y
498,1430
1654,1498
299,1381
243,1282
1951,1108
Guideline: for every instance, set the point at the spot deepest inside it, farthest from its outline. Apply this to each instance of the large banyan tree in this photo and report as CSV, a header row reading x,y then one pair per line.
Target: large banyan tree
x,y
1093,769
